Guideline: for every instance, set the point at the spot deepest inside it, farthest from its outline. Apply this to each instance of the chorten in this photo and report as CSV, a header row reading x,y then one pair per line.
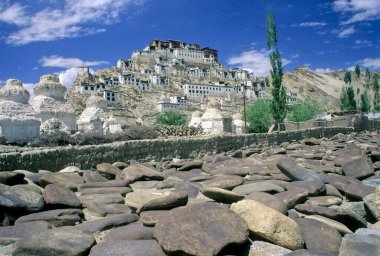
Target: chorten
x,y
214,120
96,117
50,103
18,121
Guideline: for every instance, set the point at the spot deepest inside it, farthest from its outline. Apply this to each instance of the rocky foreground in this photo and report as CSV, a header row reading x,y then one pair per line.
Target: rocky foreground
x,y
313,197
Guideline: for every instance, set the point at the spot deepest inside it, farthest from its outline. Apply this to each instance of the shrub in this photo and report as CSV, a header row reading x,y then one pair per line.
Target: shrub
x,y
305,110
259,115
170,118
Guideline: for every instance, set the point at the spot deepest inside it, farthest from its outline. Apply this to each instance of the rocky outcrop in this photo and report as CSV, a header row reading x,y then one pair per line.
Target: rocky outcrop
x,y
18,120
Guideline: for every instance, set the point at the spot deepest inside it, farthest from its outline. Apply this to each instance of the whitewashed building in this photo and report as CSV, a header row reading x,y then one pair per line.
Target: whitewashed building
x,y
291,97
173,103
202,91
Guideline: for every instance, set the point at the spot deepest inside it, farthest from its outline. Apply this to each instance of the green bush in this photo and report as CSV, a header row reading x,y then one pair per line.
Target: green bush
x,y
170,118
305,110
259,115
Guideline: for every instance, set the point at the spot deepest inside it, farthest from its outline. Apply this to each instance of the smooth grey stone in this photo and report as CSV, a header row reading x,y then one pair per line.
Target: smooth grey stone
x,y
67,241
105,209
133,231
357,167
250,188
130,248
10,234
56,196
107,222
62,217
270,201
18,199
295,172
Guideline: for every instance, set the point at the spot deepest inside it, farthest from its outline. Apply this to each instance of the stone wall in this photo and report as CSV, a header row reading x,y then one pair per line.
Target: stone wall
x,y
85,157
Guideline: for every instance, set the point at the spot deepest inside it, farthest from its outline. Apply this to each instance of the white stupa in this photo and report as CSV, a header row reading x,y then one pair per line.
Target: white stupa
x,y
238,125
18,121
196,119
96,118
214,120
49,102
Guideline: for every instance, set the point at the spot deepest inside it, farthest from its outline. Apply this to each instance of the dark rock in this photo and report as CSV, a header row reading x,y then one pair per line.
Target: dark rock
x,y
350,219
270,201
191,165
357,191
203,229
11,178
312,188
67,180
11,234
130,248
62,217
101,199
375,156
133,231
107,222
372,203
105,184
105,209
332,191
106,190
108,170
17,199
319,236
92,176
304,252
225,182
295,172
250,188
357,167
237,154
120,165
261,248
363,245
292,198
56,196
311,141
324,201
221,195
67,241
150,218
165,202
137,171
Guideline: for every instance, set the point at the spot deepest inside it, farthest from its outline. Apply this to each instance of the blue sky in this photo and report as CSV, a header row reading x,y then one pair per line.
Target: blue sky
x,y
54,36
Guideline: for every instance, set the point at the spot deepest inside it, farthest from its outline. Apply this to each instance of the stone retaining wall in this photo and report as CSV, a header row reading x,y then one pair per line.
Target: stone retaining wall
x,y
85,157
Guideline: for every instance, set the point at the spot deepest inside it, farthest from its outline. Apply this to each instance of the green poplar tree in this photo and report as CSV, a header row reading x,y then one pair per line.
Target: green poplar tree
x,y
347,77
376,98
357,71
278,102
365,104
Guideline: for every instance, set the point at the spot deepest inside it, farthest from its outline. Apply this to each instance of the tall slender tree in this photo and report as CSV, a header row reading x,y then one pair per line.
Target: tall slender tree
x,y
365,104
357,71
376,89
278,103
367,79
347,77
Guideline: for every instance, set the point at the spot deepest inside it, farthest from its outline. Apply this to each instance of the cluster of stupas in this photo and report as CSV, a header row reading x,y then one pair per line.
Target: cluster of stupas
x,y
214,120
21,121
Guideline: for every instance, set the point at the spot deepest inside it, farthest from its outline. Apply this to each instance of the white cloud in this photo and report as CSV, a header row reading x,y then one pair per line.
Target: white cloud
x,y
61,62
295,56
312,24
14,14
76,18
363,43
324,70
68,77
346,32
372,63
357,10
256,61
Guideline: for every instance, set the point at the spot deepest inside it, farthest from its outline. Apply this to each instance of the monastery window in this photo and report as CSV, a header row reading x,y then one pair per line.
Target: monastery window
x,y
86,88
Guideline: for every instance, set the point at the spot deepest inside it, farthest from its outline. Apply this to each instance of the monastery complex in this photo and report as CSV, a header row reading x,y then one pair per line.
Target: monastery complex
x,y
175,75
